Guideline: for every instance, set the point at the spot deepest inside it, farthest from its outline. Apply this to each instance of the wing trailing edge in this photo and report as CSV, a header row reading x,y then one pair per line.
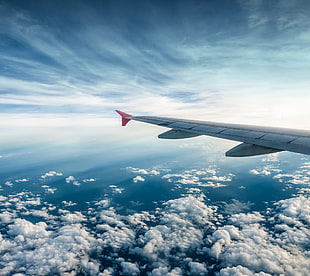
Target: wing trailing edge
x,y
256,140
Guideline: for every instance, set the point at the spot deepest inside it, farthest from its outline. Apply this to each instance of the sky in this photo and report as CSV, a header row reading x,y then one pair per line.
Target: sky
x,y
64,62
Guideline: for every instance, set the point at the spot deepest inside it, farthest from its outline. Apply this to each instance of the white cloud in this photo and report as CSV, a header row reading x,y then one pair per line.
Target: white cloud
x,y
25,229
165,271
243,218
34,201
185,230
300,177
261,172
206,177
8,183
103,203
68,203
116,234
116,189
50,174
21,180
71,179
242,247
250,248
271,165
235,206
197,268
48,189
71,218
240,271
107,272
140,219
180,227
144,172
3,198
138,178
129,268
39,213
89,180
6,217
36,251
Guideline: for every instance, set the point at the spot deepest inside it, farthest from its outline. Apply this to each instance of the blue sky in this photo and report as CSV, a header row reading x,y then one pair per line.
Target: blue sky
x,y
242,61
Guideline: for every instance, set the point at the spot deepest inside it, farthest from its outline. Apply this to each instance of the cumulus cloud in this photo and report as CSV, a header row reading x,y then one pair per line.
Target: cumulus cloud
x,y
265,170
89,180
270,166
25,229
196,268
8,183
116,189
143,171
129,268
21,180
71,179
68,203
179,229
240,271
165,271
260,172
235,206
115,233
300,178
48,189
206,177
50,174
3,198
138,178
43,213
6,217
71,218
103,203
186,231
251,248
36,250
291,222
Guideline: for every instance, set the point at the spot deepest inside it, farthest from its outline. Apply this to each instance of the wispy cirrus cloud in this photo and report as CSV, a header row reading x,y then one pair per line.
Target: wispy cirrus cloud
x,y
145,62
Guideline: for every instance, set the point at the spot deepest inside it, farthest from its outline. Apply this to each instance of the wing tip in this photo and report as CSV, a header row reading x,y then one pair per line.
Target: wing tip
x,y
125,117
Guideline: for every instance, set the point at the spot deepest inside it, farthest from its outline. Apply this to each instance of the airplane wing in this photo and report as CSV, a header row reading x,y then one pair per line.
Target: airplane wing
x,y
255,140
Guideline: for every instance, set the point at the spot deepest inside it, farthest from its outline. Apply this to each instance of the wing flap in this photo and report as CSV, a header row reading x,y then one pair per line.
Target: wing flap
x,y
181,125
302,141
211,129
278,137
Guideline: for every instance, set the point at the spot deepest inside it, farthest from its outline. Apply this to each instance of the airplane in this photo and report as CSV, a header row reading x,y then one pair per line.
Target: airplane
x,y
256,140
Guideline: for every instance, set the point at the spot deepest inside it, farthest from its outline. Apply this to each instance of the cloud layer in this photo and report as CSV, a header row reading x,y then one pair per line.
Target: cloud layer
x,y
185,235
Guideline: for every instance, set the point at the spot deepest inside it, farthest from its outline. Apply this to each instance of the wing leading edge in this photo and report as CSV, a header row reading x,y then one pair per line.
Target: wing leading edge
x,y
255,140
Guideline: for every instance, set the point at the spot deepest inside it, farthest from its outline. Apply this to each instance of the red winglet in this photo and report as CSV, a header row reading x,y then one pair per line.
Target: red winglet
x,y
125,116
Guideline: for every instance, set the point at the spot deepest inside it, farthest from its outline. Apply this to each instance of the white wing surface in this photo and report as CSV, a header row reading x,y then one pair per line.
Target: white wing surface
x,y
255,140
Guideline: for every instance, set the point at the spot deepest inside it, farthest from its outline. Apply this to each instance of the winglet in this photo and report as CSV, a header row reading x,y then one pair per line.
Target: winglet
x,y
125,117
